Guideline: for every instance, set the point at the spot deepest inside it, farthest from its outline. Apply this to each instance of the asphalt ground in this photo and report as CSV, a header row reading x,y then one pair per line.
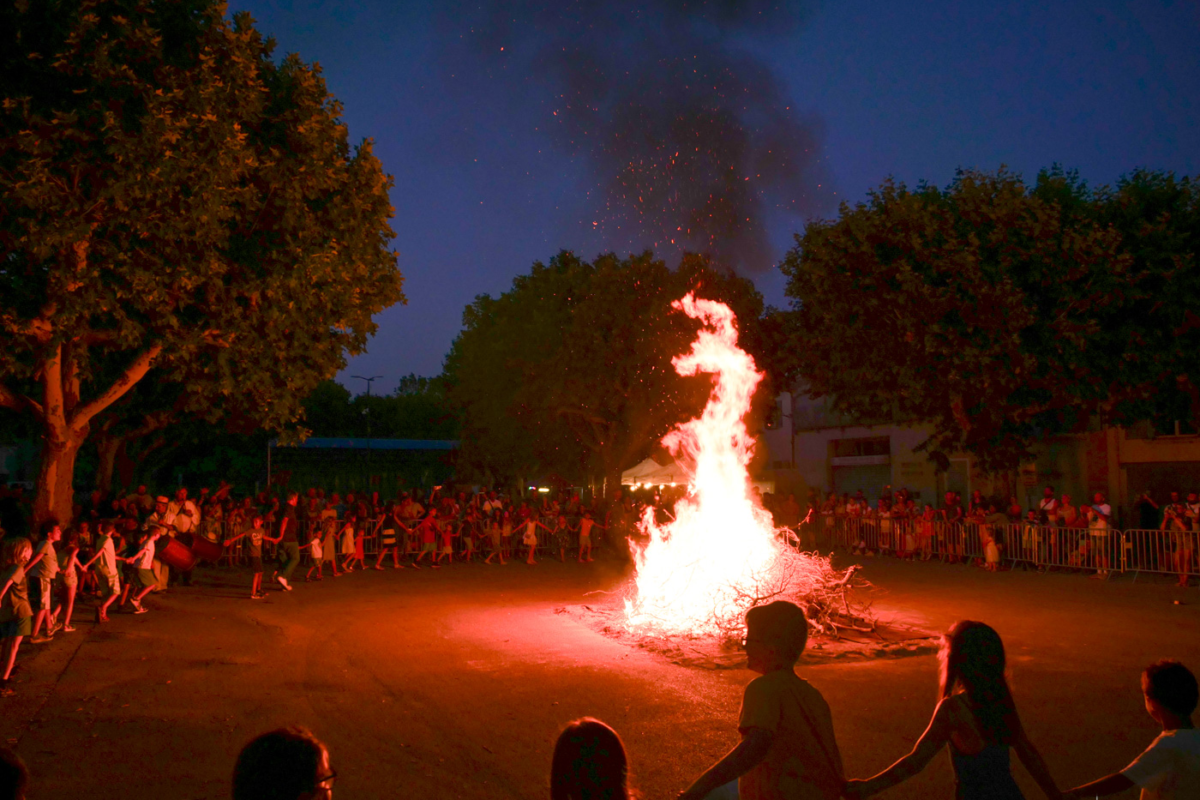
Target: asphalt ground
x,y
455,682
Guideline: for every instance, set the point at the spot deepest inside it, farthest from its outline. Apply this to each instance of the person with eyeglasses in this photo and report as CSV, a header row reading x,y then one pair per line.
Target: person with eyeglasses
x,y
284,764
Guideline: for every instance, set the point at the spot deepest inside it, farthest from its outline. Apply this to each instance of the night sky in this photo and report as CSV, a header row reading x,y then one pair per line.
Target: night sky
x,y
579,133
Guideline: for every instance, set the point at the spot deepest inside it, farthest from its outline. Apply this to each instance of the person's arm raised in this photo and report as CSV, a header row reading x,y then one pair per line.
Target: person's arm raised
x,y
740,760
929,745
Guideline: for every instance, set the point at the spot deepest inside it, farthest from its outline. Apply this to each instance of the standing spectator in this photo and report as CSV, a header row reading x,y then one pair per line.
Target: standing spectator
x,y
1014,512
162,515
1149,515
1048,507
141,500
1099,538
185,519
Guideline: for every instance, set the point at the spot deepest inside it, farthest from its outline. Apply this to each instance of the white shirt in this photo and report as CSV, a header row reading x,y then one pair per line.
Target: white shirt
x,y
182,522
1169,769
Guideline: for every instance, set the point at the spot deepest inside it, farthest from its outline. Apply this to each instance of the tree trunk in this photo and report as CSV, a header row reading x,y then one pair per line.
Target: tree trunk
x,y
55,484
107,448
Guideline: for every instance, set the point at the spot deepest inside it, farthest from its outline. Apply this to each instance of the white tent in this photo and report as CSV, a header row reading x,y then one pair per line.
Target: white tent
x,y
652,473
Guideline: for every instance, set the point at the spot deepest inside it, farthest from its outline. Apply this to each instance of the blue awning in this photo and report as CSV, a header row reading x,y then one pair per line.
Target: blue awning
x,y
337,443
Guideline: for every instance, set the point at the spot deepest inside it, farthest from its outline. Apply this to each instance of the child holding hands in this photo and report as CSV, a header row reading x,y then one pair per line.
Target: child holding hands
x,y
788,748
255,535
1169,769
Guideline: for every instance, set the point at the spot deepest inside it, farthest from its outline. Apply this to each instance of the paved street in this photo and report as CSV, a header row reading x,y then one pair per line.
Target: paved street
x,y
454,683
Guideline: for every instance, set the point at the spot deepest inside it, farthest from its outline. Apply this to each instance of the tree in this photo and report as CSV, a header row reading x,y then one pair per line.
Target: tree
x,y
418,409
569,372
999,313
172,198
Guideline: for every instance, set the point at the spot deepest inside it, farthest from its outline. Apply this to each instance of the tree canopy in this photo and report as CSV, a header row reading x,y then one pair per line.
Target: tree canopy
x,y
173,198
569,373
1000,312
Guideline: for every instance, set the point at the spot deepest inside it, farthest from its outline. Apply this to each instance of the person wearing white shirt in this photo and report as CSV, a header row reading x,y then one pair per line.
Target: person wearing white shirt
x,y
1169,769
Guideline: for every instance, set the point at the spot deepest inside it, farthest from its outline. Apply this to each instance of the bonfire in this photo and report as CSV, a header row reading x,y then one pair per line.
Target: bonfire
x,y
721,554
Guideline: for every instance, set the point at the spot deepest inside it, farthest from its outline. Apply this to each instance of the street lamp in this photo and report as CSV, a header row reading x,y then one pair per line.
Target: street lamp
x,y
368,380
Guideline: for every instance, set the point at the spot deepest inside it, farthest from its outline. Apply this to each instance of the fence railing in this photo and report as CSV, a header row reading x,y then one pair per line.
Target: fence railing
x,y
1101,549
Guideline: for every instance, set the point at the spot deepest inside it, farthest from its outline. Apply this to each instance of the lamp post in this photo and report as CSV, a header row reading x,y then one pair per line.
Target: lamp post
x,y
368,380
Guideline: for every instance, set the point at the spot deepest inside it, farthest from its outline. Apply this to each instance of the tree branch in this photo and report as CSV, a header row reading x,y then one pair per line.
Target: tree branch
x,y
134,373
19,402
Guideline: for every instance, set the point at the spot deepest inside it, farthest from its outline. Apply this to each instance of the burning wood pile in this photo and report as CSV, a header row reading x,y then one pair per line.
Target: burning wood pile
x,y
699,573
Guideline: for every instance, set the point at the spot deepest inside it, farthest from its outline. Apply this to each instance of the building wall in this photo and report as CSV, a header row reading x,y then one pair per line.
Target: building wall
x,y
1111,461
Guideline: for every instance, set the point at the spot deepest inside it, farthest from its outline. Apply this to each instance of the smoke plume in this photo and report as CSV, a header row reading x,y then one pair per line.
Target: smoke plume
x,y
686,135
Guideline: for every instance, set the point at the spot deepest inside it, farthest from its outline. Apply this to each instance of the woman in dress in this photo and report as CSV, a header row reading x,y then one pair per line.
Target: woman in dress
x,y
976,720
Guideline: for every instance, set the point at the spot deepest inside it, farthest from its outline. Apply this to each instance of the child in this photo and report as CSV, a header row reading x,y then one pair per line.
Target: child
x,y
346,535
329,550
255,535
589,761
448,533
428,528
16,615
506,532
143,561
495,534
69,578
561,535
42,569
925,533
976,719
391,529
788,748
585,536
314,548
530,537
105,559
1170,767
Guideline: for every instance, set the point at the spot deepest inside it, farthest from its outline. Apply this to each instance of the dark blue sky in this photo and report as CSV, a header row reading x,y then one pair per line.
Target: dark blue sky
x,y
484,186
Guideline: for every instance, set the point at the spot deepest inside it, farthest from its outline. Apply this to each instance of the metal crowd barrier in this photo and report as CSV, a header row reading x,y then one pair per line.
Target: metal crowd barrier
x,y
1041,546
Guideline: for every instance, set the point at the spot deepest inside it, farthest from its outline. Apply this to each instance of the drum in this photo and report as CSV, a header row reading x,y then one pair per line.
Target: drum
x,y
203,549
175,554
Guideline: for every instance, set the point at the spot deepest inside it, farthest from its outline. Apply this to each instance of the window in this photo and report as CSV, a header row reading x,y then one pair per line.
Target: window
x,y
869,446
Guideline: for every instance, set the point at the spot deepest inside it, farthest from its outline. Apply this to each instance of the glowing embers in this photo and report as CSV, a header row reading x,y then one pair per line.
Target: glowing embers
x,y
699,573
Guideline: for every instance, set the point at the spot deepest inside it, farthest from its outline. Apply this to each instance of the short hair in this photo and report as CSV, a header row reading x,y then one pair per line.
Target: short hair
x,y
14,777
781,623
50,524
589,763
1172,685
277,765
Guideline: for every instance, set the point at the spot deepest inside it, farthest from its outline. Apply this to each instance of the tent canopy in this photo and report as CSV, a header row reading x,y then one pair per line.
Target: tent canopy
x,y
651,472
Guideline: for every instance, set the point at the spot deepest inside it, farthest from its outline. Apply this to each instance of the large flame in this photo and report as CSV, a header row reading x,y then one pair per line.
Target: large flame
x,y
700,572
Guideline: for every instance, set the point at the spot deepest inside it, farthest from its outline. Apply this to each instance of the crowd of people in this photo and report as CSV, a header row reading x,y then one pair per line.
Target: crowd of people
x,y
116,551
788,748
1057,533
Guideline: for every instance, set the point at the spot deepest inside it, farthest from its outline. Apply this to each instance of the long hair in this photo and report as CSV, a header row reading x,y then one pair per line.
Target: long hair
x,y
972,658
589,763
